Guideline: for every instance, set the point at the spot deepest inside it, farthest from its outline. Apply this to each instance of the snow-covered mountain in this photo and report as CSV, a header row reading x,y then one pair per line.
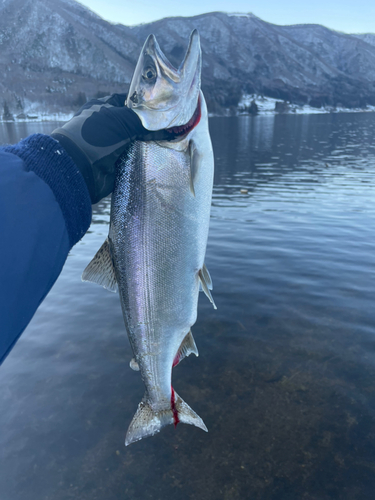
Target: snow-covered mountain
x,y
54,52
367,37
57,53
300,63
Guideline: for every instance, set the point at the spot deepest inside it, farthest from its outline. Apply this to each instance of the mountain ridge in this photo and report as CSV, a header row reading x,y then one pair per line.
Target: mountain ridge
x,y
56,55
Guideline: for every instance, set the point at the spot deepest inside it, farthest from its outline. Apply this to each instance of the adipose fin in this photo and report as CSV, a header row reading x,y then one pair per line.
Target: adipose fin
x,y
134,365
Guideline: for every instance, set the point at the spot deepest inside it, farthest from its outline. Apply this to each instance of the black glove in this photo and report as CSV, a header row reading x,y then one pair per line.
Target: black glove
x,y
96,137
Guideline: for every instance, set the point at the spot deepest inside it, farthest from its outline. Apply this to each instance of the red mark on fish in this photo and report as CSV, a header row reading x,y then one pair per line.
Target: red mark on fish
x,y
176,360
173,408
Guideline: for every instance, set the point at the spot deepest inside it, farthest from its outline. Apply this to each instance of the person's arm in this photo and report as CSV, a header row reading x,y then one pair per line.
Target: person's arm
x,y
45,209
47,185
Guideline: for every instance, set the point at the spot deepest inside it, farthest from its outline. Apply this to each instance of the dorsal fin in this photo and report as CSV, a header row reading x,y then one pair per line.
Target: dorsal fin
x,y
101,269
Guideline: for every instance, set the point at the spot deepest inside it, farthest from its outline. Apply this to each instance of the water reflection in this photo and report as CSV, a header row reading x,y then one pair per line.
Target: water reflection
x,y
12,132
285,377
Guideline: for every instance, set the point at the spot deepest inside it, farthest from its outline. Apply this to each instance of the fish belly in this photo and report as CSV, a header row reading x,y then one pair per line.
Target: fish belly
x,y
158,237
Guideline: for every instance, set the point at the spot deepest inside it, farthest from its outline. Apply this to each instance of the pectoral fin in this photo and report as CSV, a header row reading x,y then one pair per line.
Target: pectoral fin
x,y
207,277
101,269
194,165
206,285
187,347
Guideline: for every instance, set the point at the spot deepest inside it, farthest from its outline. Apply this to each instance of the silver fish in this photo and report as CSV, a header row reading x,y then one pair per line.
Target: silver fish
x,y
155,250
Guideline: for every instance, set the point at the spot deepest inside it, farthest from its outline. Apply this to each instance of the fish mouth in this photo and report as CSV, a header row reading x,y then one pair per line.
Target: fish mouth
x,y
182,130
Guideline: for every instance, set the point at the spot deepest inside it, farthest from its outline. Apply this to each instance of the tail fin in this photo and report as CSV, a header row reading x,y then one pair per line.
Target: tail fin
x,y
147,422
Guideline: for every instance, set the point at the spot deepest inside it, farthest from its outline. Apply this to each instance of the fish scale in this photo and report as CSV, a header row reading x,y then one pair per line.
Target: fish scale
x,y
157,255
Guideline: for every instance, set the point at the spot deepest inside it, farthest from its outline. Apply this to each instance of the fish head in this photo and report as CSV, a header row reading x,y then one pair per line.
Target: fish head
x,y
162,96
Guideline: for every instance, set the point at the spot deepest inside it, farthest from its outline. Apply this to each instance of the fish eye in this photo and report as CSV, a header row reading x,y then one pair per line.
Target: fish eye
x,y
149,73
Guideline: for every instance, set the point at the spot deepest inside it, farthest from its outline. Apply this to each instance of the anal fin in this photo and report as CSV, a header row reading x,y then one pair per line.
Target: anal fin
x,y
205,286
101,269
186,348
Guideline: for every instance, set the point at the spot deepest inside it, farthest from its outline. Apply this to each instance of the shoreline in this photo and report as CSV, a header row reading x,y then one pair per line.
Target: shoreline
x,y
46,117
252,105
293,113
259,105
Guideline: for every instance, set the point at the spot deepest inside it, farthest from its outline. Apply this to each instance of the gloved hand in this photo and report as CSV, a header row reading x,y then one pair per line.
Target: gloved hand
x,y
96,137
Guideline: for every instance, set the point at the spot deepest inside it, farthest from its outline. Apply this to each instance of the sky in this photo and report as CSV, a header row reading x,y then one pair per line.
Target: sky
x,y
348,16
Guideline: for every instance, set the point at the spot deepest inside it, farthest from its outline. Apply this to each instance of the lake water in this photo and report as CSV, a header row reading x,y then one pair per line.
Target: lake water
x,y
285,380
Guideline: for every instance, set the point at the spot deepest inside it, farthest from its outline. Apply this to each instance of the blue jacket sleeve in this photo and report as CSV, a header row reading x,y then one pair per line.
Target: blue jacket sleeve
x,y
45,209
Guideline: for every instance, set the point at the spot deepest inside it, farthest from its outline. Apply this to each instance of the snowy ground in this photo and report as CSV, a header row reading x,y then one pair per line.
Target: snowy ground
x,y
44,117
266,105
37,112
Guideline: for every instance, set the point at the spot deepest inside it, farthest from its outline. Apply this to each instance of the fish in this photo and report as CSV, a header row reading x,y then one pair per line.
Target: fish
x,y
160,210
